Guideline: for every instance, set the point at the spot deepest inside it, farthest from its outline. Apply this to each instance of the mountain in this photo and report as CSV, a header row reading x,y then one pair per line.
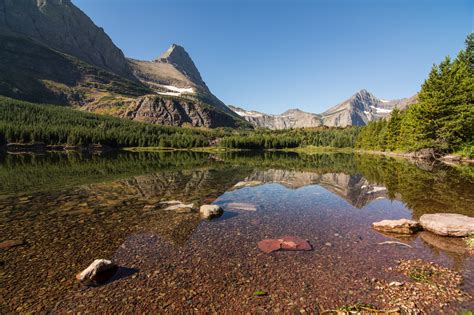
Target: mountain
x,y
355,189
293,118
51,52
60,25
357,110
182,95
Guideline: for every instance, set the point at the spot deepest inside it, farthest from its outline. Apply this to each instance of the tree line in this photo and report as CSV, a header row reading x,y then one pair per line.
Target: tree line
x,y
443,118
23,122
292,138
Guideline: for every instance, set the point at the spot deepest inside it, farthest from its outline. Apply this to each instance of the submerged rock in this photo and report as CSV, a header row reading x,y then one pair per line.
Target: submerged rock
x,y
241,206
210,211
251,183
292,243
178,206
11,243
448,224
402,226
449,244
99,272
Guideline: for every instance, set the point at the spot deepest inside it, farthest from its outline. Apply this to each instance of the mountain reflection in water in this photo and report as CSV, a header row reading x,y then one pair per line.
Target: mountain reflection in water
x,y
88,207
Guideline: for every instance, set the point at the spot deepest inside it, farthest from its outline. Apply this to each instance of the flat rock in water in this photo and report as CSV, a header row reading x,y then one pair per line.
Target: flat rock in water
x,y
11,243
292,243
402,226
448,224
99,272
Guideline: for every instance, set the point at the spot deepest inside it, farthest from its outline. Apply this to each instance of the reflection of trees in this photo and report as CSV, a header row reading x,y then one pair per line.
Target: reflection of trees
x,y
66,230
443,189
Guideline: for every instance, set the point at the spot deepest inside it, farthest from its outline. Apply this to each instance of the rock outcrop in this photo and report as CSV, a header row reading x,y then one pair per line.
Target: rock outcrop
x,y
448,224
59,24
165,110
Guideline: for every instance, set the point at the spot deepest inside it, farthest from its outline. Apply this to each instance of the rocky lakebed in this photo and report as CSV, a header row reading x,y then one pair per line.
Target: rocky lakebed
x,y
183,232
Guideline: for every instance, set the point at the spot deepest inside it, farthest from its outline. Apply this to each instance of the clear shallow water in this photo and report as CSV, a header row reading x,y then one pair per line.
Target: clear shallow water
x,y
73,209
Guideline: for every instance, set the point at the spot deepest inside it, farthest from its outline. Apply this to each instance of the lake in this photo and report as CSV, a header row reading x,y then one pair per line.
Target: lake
x,y
71,209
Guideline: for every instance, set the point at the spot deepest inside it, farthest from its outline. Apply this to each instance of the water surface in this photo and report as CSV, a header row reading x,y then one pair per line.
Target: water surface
x,y
72,209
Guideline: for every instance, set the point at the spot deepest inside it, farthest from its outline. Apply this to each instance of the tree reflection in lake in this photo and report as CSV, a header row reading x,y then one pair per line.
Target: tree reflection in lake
x,y
71,209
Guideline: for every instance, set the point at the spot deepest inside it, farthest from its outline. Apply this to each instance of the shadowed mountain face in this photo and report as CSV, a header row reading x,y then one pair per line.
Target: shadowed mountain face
x,y
59,24
357,110
51,52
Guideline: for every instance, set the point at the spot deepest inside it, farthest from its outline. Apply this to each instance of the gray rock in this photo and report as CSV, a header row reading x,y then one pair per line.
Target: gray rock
x,y
100,271
448,224
210,211
402,226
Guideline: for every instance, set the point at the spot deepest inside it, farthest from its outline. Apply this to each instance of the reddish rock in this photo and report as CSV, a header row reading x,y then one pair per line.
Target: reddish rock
x,y
268,246
11,243
295,243
284,243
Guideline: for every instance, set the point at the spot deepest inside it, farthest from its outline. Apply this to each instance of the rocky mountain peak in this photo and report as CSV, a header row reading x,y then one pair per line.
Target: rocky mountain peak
x,y
292,111
178,57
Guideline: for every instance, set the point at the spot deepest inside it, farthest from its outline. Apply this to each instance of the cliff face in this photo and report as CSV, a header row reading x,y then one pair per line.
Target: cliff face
x,y
157,109
59,24
357,110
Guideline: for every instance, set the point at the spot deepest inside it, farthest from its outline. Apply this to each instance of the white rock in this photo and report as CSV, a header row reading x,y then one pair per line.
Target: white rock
x,y
448,224
210,211
99,271
395,284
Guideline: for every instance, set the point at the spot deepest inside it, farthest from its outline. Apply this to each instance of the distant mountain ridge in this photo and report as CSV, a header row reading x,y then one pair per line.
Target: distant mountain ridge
x,y
358,110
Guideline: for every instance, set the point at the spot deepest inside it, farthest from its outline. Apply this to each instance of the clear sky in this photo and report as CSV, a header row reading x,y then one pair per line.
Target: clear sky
x,y
275,55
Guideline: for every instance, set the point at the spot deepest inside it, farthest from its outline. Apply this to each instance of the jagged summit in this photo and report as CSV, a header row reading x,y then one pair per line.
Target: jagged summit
x,y
172,51
178,57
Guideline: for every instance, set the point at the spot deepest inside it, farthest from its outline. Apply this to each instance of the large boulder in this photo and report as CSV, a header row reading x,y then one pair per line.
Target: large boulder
x,y
99,272
402,226
448,224
210,211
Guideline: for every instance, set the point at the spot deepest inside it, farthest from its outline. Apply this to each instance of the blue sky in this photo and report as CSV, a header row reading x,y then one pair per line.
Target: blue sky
x,y
274,55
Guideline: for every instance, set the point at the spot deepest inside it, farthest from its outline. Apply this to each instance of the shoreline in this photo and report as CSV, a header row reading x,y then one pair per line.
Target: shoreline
x,y
19,148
